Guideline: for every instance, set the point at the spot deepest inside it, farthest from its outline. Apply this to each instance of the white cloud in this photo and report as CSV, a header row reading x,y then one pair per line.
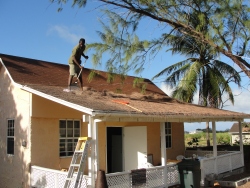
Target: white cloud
x,y
70,34
168,90
241,102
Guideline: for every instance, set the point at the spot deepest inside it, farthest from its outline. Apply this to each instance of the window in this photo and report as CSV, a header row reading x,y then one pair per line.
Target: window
x,y
10,137
69,133
168,134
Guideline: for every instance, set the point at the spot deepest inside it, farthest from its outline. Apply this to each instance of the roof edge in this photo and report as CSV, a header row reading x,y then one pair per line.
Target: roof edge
x,y
57,100
6,70
109,116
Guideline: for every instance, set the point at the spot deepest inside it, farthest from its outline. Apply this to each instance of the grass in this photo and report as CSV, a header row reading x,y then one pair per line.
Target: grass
x,y
200,139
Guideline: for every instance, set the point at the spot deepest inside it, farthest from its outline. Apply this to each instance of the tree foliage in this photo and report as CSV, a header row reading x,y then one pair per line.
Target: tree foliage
x,y
201,72
227,25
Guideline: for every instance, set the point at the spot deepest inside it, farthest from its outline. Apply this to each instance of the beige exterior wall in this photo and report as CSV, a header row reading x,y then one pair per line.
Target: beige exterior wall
x,y
45,132
178,144
14,104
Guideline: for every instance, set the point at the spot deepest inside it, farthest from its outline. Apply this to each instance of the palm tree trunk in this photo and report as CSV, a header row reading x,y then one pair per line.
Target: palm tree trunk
x,y
208,135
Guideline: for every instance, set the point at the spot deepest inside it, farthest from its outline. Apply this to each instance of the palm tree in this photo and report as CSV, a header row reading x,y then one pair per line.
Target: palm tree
x,y
206,75
201,72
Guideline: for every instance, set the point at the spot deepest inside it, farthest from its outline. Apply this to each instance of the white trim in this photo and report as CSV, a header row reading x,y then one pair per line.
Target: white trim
x,y
96,164
6,70
163,151
214,139
90,159
214,146
241,142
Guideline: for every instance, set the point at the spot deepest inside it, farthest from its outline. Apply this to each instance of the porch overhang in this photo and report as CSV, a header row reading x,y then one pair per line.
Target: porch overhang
x,y
125,117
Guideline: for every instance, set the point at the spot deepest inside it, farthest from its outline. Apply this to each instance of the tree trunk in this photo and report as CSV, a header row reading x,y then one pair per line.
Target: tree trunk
x,y
208,135
244,66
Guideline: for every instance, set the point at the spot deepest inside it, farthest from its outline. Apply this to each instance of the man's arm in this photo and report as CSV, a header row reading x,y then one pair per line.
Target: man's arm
x,y
85,56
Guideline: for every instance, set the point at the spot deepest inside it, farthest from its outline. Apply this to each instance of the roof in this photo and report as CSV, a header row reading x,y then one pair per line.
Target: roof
x,y
235,127
102,99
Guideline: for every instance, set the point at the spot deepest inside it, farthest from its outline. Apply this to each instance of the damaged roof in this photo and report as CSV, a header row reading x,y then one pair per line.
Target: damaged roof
x,y
48,79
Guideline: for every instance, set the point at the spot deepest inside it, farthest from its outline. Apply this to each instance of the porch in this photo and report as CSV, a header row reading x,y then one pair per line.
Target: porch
x,y
158,176
224,162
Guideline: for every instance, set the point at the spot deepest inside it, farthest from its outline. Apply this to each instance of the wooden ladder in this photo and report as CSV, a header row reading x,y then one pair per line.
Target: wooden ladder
x,y
76,165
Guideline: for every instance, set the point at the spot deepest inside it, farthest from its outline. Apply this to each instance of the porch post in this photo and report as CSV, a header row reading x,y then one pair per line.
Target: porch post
x,y
214,147
96,152
163,152
214,139
241,142
93,157
90,159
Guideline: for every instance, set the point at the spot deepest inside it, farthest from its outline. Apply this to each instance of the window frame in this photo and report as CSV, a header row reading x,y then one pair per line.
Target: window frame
x,y
168,135
10,137
69,132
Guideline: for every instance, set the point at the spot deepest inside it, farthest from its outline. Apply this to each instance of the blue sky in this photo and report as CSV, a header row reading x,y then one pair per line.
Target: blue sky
x,y
34,29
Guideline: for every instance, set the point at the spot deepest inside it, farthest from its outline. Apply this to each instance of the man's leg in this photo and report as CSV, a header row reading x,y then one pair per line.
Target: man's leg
x,y
81,83
70,81
72,73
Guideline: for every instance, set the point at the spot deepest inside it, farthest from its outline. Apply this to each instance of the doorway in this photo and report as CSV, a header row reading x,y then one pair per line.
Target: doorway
x,y
126,149
114,149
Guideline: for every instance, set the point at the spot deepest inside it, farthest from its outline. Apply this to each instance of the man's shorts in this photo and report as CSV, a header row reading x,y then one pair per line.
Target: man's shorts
x,y
74,70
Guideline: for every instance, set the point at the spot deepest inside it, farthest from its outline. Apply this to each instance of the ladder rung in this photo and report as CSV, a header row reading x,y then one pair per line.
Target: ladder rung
x,y
76,165
81,151
78,151
84,138
69,178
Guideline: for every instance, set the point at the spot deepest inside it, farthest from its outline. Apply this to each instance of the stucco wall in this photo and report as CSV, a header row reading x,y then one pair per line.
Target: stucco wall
x,y
45,132
178,145
14,104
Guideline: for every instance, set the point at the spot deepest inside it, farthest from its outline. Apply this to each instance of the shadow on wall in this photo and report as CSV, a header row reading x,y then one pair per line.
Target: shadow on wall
x,y
14,105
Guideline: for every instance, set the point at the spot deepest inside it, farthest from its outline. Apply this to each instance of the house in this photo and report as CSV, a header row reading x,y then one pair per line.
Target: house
x,y
235,134
40,125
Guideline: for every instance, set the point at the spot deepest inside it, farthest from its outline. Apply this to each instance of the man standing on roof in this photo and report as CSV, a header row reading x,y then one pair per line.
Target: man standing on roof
x,y
75,63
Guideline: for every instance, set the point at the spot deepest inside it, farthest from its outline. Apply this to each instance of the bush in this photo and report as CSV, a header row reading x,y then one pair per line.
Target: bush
x,y
223,138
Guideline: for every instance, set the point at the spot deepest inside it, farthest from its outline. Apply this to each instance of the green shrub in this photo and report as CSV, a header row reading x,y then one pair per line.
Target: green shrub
x,y
223,138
